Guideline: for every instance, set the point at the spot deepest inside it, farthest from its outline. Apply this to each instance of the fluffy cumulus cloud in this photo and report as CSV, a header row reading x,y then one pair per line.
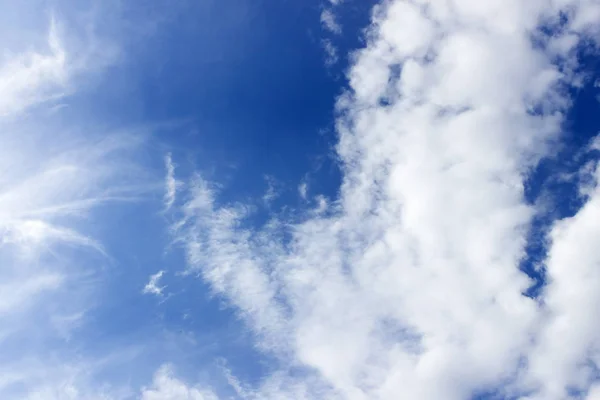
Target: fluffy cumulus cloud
x,y
566,352
409,285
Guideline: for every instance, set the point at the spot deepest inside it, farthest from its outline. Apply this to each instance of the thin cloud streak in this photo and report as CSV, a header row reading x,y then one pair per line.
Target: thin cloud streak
x,y
171,183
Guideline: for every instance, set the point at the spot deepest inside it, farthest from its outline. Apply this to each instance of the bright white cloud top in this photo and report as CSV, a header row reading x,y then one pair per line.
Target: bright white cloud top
x,y
407,286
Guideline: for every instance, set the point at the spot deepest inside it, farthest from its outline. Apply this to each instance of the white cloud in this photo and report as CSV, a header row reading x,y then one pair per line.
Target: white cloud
x,y
329,22
167,387
594,393
231,259
171,183
331,53
44,68
566,352
321,204
152,285
595,145
49,183
412,287
331,25
272,190
303,190
34,77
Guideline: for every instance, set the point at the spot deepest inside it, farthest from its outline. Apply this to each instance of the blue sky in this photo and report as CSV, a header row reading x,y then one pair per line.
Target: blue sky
x,y
299,200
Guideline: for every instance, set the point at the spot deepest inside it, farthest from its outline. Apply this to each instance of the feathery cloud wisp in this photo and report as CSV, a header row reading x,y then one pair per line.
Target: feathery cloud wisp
x,y
55,175
171,183
152,285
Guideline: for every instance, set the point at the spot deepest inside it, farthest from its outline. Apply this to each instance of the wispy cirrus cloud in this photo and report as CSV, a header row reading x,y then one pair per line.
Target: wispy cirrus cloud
x,y
171,183
56,176
34,77
50,178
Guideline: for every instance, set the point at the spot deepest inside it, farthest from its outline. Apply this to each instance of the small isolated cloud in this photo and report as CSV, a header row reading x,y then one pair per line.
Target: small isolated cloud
x,y
331,53
171,183
272,190
152,285
303,190
329,22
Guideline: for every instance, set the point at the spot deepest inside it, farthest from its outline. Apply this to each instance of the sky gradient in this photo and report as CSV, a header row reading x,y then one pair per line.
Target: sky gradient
x,y
343,199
